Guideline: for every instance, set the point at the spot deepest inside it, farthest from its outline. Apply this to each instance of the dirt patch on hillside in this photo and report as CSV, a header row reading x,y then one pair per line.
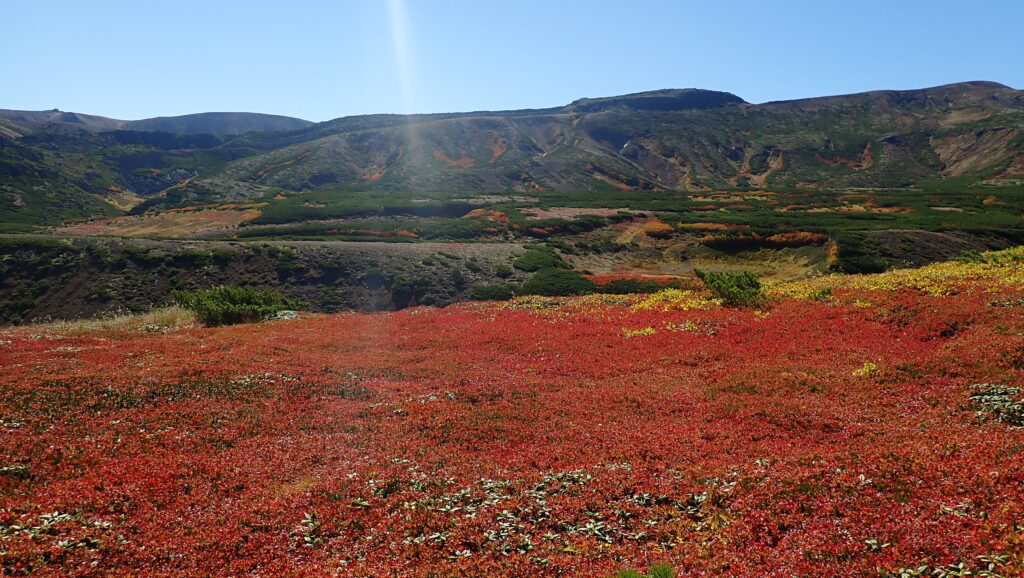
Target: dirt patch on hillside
x,y
732,197
463,162
1014,169
573,212
496,142
776,162
626,233
121,199
963,154
166,224
264,172
965,115
865,161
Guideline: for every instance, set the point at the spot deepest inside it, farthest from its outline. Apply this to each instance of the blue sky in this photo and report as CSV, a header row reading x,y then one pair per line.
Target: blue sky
x,y
325,59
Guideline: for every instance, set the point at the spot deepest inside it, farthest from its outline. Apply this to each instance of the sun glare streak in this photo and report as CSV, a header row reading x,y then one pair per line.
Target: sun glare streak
x,y
401,41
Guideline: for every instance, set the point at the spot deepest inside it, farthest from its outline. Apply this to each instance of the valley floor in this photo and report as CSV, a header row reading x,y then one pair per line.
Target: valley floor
x,y
851,426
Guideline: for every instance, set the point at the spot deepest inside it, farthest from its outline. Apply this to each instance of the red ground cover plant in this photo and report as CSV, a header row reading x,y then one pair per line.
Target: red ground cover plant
x,y
810,438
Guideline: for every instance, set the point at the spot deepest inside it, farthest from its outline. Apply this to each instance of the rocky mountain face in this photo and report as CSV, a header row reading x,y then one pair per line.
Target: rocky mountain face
x,y
670,140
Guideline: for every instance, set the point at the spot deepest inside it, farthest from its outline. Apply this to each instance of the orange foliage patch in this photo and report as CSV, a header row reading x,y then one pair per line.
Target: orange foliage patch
x,y
657,227
754,240
487,215
712,226
833,253
798,239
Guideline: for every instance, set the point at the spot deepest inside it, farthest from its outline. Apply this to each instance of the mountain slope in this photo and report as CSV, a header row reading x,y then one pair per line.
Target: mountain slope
x,y
667,140
959,135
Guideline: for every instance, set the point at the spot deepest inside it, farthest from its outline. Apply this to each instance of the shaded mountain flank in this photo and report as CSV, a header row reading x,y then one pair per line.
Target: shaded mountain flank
x,y
74,277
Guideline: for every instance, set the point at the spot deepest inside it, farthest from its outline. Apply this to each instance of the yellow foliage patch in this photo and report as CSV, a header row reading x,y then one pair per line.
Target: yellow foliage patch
x,y
938,279
676,300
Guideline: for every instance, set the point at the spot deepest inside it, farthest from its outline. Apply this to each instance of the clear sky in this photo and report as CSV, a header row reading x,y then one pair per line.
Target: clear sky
x,y
325,59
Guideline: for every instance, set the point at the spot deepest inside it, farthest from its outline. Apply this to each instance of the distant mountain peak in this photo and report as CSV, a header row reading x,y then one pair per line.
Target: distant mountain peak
x,y
219,123
665,99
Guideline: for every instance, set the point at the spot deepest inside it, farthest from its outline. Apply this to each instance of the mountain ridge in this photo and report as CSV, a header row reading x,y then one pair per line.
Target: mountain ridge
x,y
217,123
37,117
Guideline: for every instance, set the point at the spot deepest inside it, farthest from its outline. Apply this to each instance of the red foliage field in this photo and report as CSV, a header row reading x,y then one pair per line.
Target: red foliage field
x,y
810,438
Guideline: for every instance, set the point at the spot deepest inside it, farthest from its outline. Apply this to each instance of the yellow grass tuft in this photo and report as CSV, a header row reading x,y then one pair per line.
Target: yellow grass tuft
x,y
165,318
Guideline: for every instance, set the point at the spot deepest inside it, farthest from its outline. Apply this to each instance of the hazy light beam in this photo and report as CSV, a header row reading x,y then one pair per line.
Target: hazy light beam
x,y
401,41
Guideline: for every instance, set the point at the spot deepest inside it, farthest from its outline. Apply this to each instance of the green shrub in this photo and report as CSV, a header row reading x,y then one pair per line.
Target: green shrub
x,y
971,257
458,277
599,247
230,305
452,229
554,282
536,259
736,289
627,286
655,571
503,271
492,291
1002,403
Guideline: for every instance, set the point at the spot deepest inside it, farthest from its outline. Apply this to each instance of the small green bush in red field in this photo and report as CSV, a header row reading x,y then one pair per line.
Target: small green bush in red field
x,y
556,282
492,291
229,305
626,286
737,289
655,571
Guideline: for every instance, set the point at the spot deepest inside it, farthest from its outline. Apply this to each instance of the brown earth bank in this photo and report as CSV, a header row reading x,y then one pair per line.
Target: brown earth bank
x,y
49,277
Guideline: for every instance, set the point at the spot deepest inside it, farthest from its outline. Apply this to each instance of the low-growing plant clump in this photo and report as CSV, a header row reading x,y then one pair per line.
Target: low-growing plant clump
x,y
229,305
737,289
